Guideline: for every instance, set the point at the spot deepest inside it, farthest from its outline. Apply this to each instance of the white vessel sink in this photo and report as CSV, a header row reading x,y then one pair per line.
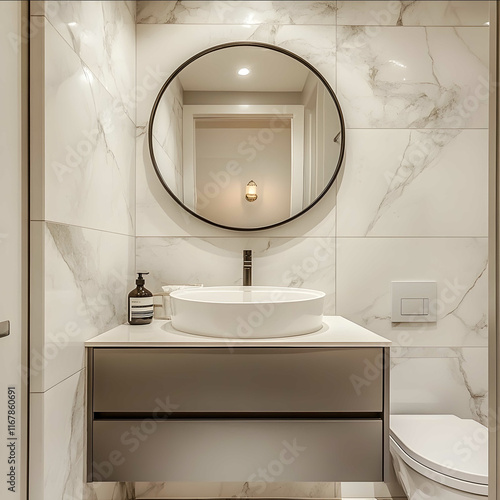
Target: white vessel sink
x,y
247,312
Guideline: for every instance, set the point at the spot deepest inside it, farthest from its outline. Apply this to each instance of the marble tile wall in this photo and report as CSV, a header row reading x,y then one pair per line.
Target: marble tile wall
x,y
82,221
409,204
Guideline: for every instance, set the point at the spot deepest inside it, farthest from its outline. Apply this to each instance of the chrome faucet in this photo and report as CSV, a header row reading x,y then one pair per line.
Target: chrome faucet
x,y
247,267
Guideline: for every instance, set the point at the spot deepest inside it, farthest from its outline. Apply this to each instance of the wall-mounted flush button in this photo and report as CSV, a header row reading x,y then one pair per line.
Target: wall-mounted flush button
x,y
414,307
414,301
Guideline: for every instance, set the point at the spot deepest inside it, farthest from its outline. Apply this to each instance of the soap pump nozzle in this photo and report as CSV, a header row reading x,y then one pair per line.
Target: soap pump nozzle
x,y
140,280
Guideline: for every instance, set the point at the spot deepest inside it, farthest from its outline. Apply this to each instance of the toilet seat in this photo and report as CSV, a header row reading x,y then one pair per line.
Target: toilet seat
x,y
444,448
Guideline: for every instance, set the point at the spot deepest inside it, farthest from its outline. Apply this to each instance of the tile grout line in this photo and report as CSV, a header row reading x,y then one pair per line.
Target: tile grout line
x,y
58,383
76,226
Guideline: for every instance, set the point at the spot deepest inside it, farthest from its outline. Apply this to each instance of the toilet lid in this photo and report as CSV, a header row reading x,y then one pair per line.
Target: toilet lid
x,y
445,443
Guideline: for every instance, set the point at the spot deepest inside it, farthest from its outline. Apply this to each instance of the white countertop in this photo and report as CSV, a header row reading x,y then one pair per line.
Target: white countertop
x,y
336,332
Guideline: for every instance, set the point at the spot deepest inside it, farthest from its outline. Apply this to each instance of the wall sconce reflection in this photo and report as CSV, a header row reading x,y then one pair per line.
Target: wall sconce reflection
x,y
251,191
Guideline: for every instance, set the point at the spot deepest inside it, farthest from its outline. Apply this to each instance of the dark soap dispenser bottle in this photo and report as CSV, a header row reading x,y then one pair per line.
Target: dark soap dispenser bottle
x,y
140,303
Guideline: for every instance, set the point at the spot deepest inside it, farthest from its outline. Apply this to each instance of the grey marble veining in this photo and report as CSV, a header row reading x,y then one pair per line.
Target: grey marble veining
x,y
236,12
413,13
316,44
364,293
88,144
86,277
397,190
95,282
132,8
75,454
167,134
413,77
102,34
64,460
61,463
428,380
408,170
476,386
110,491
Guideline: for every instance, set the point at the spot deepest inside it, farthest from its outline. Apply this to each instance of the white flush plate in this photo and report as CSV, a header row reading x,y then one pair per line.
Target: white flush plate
x,y
414,301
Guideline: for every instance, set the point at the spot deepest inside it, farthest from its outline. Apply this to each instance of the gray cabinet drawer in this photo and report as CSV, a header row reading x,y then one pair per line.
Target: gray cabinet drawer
x,y
241,380
238,450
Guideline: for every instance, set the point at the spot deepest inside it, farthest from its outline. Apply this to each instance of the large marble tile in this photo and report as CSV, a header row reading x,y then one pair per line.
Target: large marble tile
x,y
57,455
421,183
413,77
305,263
236,12
57,452
455,385
81,279
102,34
88,146
367,266
400,13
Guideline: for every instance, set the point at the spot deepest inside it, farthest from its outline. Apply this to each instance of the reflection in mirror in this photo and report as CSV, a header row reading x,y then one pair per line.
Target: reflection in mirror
x,y
246,117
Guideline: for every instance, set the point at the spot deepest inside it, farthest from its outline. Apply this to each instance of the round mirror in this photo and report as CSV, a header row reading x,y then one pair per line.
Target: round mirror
x,y
246,136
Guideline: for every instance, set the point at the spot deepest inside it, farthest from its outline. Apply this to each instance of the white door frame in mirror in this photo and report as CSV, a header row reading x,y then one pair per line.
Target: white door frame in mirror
x,y
289,111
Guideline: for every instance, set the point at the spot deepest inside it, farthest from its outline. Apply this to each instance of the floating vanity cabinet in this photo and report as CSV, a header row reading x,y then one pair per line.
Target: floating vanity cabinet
x,y
238,413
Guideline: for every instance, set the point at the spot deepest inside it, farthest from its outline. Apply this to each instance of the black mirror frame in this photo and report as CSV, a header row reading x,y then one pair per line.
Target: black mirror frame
x,y
276,49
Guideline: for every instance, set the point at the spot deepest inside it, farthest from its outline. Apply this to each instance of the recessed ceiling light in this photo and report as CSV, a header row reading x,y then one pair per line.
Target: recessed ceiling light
x,y
243,72
72,23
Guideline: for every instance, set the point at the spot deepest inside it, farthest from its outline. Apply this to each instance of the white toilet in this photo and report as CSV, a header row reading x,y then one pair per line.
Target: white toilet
x,y
440,456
